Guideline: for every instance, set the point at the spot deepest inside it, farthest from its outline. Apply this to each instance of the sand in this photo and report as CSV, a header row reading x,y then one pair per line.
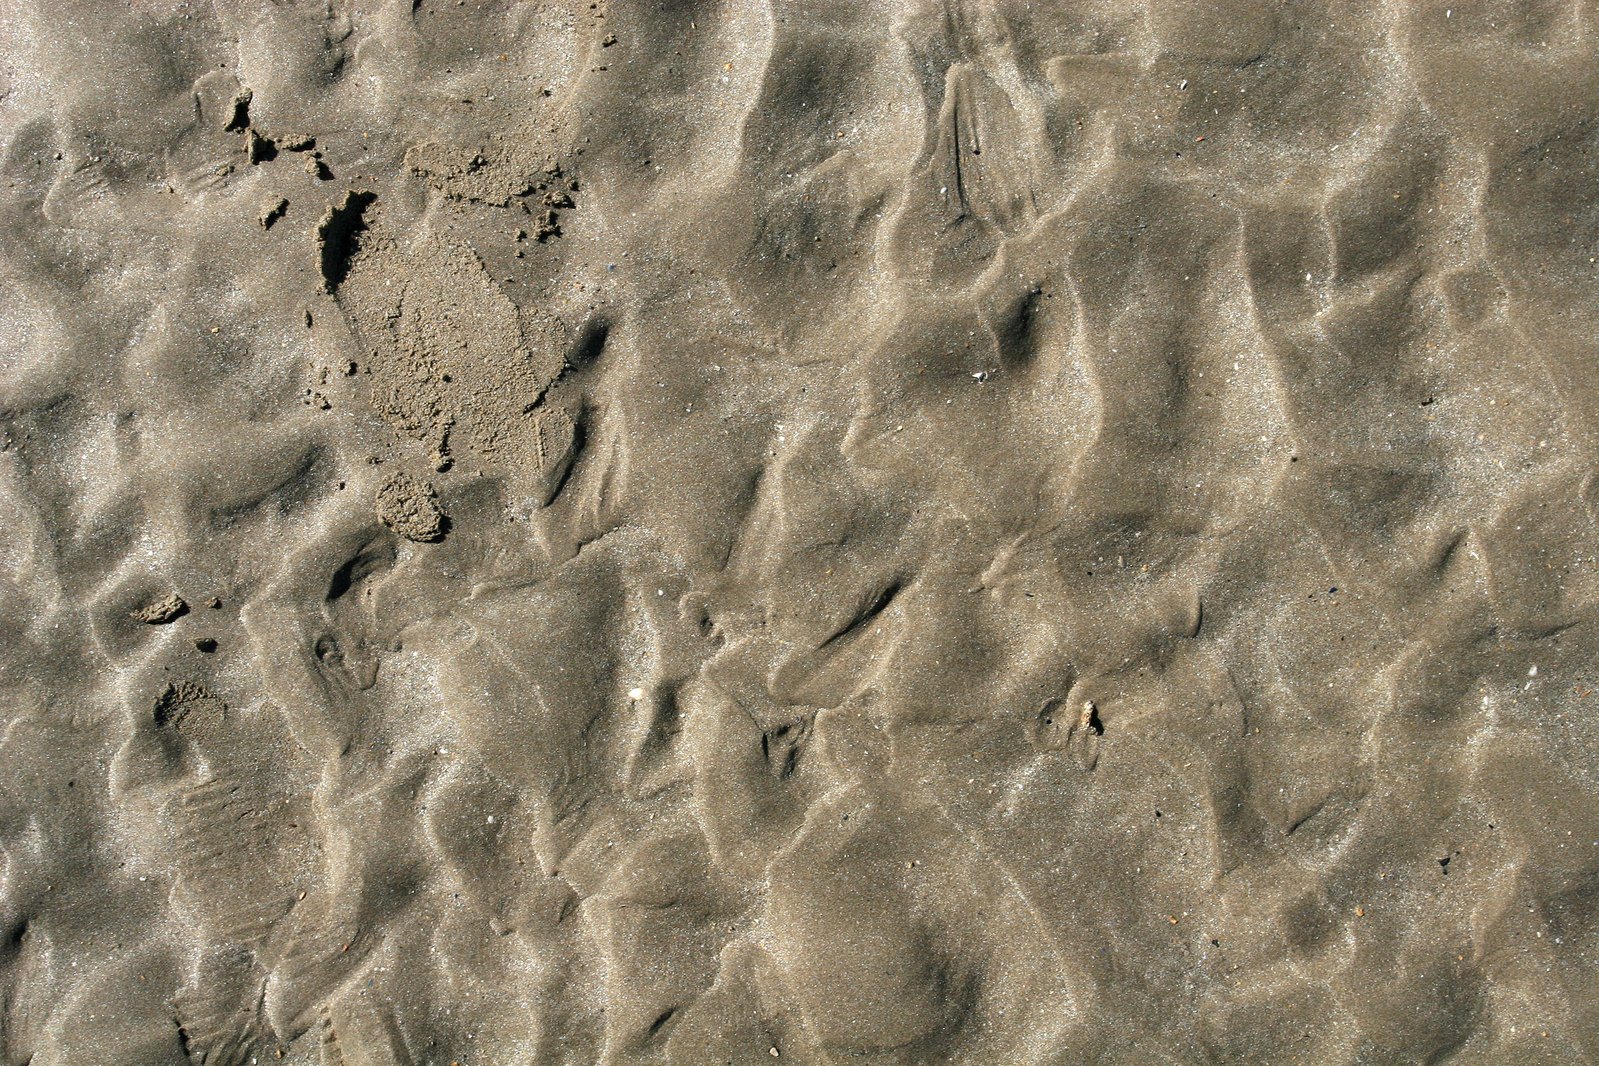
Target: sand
x,y
884,532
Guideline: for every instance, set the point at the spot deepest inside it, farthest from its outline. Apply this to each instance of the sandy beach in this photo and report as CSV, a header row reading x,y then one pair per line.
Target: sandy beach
x,y
892,532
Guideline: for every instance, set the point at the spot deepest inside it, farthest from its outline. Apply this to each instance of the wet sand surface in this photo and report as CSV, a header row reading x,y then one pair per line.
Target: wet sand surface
x,y
836,532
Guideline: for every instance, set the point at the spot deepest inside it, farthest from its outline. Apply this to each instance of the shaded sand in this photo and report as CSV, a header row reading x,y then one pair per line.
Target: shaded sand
x,y
873,532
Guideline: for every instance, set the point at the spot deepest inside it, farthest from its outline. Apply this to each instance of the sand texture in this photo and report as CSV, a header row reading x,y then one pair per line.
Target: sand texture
x,y
887,532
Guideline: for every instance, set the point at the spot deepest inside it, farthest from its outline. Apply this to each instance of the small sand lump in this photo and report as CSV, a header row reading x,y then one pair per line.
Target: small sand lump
x,y
160,612
407,506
